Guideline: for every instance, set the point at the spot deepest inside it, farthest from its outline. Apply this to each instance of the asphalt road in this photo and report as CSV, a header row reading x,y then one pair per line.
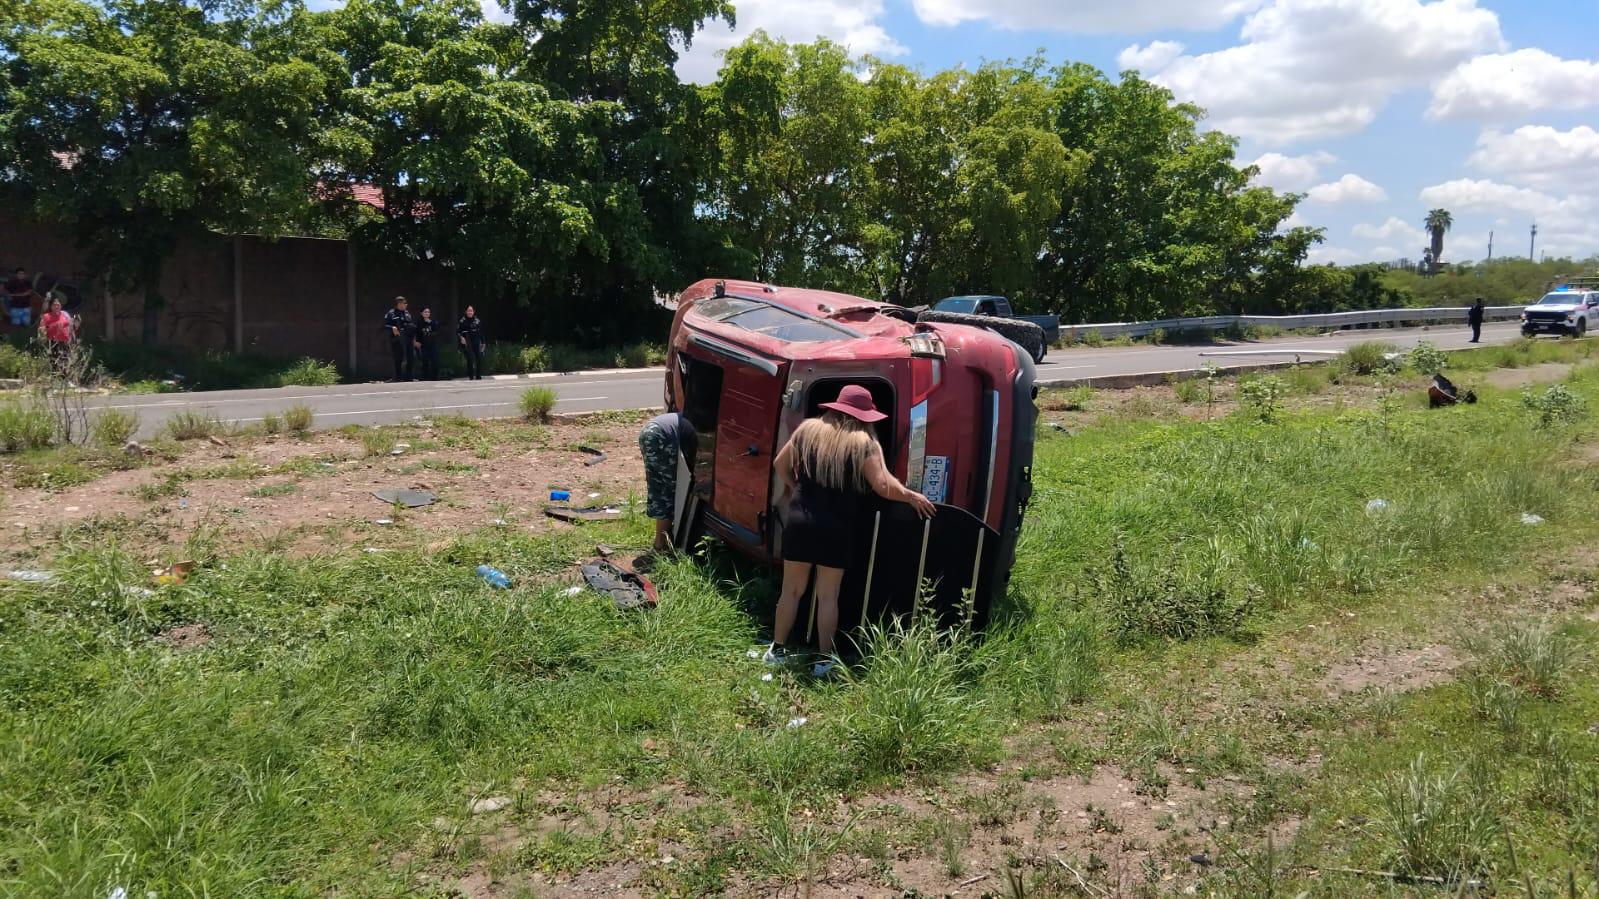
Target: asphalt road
x,y
380,403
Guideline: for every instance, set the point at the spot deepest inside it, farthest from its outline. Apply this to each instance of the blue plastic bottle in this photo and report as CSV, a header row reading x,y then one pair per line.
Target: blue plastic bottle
x,y
560,496
494,576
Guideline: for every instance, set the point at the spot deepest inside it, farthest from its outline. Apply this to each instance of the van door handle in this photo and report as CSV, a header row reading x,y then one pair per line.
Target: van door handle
x,y
753,450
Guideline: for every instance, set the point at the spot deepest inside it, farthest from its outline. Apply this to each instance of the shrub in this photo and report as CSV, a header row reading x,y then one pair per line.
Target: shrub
x,y
534,359
1189,390
376,441
564,358
1427,359
537,403
14,362
640,355
187,425
1261,396
1368,357
502,359
271,423
1531,655
24,426
114,427
309,373
1556,405
297,418
1166,601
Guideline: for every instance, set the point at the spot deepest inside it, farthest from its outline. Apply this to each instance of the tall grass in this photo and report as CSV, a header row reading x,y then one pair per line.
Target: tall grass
x,y
25,425
113,427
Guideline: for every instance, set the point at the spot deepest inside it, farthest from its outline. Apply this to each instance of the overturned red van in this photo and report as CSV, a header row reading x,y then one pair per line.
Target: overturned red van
x,y
748,362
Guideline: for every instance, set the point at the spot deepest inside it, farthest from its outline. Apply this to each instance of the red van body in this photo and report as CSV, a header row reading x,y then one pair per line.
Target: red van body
x,y
748,362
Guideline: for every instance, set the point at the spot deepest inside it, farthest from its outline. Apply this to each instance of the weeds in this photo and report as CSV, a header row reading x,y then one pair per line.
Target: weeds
x,y
377,441
1437,825
297,419
1529,655
1261,396
271,423
191,425
537,403
1368,358
1426,359
113,427
25,425
309,373
1557,405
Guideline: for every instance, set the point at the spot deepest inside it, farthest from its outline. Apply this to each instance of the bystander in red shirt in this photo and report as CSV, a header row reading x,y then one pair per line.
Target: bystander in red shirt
x,y
57,326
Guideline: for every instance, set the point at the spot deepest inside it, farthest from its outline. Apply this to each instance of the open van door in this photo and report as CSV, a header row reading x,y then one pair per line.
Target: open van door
x,y
745,437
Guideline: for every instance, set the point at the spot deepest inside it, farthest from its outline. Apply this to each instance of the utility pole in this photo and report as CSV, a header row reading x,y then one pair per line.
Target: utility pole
x,y
1531,256
1490,246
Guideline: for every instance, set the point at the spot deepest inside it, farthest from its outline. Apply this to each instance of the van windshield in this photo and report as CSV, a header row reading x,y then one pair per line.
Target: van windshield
x,y
772,321
1560,298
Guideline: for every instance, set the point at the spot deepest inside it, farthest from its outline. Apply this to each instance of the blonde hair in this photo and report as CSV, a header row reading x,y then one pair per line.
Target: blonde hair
x,y
835,450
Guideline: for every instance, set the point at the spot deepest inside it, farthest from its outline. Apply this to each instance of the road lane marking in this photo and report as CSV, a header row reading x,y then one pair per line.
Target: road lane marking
x,y
418,410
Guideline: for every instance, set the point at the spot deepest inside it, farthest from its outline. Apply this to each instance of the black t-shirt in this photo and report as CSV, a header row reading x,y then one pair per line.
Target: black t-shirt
x,y
19,291
471,329
426,329
396,318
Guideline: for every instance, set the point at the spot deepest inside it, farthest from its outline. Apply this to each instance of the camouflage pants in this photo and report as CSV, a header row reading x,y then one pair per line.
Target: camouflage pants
x,y
660,472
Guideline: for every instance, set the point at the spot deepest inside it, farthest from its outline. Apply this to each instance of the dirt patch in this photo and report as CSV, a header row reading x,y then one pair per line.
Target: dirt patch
x,y
1401,671
185,637
314,496
1512,378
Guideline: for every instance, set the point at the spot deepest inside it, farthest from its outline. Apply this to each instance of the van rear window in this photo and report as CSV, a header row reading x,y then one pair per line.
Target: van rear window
x,y
772,321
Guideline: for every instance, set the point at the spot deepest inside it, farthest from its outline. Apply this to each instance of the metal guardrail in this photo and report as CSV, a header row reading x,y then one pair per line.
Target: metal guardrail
x,y
1418,315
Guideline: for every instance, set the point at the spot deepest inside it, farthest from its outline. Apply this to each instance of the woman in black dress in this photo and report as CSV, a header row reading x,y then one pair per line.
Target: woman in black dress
x,y
830,464
470,331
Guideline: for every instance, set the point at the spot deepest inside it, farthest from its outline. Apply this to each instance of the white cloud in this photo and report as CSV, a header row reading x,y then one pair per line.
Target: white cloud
x,y
1567,225
1351,188
1313,68
1510,85
1291,173
1540,155
1386,253
856,25
1394,231
1154,55
1330,255
1123,17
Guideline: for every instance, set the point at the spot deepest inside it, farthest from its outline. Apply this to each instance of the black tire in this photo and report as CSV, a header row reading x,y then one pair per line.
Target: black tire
x,y
1028,336
1582,328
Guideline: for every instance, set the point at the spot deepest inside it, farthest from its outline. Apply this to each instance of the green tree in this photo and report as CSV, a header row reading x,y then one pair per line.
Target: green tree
x,y
1437,222
134,124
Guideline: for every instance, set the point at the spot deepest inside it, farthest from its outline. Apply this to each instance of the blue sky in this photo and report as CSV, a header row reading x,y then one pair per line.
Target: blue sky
x,y
1378,109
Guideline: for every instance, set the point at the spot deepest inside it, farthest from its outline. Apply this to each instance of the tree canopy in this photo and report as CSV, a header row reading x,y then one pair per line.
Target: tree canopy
x,y
556,160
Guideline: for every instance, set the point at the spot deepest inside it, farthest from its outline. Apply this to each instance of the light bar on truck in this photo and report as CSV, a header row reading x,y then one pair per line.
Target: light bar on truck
x,y
926,345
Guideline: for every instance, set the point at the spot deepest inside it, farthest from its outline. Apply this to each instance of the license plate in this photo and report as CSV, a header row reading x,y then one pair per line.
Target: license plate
x,y
935,478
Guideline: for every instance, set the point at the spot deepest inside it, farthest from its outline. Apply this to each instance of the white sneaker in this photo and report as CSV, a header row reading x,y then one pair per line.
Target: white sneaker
x,y
775,656
826,669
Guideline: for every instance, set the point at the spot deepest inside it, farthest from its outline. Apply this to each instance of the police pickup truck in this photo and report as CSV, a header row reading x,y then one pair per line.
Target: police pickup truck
x,y
1569,308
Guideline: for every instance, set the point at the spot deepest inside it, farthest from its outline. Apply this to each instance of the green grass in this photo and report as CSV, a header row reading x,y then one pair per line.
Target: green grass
x,y
25,425
349,700
188,425
113,427
537,403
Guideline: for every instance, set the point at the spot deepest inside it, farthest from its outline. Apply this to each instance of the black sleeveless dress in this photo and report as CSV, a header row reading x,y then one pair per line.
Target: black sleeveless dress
x,y
823,522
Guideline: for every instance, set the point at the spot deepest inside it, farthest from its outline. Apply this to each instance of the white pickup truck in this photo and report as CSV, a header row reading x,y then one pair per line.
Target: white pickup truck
x,y
1567,309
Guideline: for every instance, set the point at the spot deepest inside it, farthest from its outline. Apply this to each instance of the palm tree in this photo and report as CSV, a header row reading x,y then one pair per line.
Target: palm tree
x,y
1437,222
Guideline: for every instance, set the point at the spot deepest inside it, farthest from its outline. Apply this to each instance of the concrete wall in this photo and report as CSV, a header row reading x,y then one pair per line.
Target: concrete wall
x,y
288,297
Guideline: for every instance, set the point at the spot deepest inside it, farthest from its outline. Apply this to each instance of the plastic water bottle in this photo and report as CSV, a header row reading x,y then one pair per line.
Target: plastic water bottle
x,y
560,496
494,576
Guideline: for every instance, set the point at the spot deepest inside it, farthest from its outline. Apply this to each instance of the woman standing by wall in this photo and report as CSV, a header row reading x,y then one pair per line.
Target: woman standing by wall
x,y
427,345
469,330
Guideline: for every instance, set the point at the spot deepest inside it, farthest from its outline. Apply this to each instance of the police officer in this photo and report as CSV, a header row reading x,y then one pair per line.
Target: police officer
x,y
469,331
427,347
401,329
1474,317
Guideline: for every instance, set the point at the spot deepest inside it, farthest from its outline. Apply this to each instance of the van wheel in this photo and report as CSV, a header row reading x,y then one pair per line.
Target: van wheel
x,y
1026,335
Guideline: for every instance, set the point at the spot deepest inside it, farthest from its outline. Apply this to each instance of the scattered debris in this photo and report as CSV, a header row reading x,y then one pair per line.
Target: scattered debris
x,y
499,522
1530,519
399,449
1201,859
173,574
216,441
374,549
604,551
767,677
382,521
590,513
593,494
137,591
597,454
31,576
411,499
495,577
627,589
573,590
797,722
133,448
490,804
1443,393
560,496
1376,505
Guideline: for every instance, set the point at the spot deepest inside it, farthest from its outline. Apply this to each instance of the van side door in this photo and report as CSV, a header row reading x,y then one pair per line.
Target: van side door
x,y
745,444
